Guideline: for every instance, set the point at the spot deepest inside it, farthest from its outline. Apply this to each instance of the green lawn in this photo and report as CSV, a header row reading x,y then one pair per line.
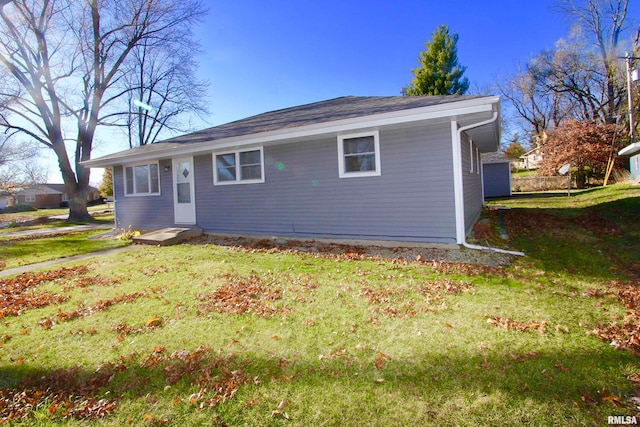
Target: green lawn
x,y
15,252
199,334
31,215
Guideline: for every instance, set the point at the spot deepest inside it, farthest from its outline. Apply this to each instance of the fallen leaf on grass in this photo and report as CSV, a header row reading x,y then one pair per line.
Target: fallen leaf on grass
x,y
154,322
606,396
280,410
380,360
46,323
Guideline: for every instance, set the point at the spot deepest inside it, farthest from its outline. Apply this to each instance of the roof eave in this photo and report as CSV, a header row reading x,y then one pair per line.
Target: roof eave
x,y
630,149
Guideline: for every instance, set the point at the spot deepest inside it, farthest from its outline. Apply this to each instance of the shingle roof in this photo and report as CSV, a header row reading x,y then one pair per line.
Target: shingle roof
x,y
496,157
347,107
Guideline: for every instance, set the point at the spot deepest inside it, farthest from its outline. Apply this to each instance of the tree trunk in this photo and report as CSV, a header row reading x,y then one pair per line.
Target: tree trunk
x,y
78,203
78,207
76,190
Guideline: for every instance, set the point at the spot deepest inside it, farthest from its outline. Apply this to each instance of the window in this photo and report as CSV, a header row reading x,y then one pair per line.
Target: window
x,y
478,160
359,155
238,167
142,179
29,198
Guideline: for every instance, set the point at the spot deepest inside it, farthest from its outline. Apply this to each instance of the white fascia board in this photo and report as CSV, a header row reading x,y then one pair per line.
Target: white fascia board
x,y
452,109
630,149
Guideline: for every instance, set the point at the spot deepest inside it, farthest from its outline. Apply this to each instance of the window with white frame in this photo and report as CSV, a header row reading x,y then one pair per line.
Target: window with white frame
x,y
30,198
142,179
238,167
359,155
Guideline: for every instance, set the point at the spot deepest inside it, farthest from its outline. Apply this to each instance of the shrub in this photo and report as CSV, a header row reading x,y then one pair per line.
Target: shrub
x,y
128,234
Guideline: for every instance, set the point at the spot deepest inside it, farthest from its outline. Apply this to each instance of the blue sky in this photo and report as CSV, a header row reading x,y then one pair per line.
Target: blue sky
x,y
262,56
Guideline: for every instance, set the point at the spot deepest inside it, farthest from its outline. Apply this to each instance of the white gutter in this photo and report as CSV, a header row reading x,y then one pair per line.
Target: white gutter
x,y
456,138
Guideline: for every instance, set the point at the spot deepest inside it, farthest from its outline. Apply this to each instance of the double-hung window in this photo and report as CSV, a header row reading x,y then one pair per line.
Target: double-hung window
x,y
238,167
29,198
142,179
359,155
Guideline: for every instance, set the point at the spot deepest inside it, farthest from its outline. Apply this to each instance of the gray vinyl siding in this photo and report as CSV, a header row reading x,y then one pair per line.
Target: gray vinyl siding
x,y
144,212
412,200
302,194
472,185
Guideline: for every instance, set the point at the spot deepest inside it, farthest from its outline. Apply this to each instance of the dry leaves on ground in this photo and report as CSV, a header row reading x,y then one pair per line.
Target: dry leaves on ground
x,y
72,394
19,293
623,334
398,302
240,295
539,326
101,305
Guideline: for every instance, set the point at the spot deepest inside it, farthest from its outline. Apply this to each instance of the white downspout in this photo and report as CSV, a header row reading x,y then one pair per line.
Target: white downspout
x,y
458,184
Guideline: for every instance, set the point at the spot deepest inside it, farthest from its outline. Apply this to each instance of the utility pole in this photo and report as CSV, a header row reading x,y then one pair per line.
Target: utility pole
x,y
632,125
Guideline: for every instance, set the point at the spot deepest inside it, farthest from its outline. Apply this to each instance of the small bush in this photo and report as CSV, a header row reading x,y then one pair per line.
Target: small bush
x,y
26,208
621,175
128,234
18,208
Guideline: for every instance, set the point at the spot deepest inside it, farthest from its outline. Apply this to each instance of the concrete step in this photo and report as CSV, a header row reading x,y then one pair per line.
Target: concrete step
x,y
167,236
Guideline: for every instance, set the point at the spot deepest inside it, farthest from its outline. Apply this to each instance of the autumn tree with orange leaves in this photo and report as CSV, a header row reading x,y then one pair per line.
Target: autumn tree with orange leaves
x,y
589,148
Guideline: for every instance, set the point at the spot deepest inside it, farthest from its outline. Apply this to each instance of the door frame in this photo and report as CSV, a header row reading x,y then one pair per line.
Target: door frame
x,y
183,213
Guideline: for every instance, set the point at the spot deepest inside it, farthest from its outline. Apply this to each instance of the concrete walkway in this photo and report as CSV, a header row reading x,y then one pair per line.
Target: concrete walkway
x,y
25,268
57,230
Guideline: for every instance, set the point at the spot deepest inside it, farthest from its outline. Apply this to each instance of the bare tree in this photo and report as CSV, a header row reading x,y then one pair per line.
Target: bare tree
x,y
529,92
68,60
163,87
603,22
574,74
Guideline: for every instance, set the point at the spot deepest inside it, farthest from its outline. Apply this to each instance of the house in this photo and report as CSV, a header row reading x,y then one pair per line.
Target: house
x,y
496,175
6,199
48,196
531,159
633,151
370,168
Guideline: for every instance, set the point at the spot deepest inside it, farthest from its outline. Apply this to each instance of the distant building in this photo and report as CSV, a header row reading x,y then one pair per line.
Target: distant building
x,y
48,196
6,199
531,159
633,151
496,175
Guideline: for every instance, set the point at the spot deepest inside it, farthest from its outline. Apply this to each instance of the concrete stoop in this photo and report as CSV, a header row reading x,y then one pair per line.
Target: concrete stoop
x,y
167,236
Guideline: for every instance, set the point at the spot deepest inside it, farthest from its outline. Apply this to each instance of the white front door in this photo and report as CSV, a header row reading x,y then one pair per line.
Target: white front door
x,y
184,200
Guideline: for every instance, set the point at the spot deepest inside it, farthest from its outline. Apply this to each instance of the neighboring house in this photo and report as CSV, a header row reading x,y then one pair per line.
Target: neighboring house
x,y
634,167
6,199
378,168
47,196
496,175
633,151
531,159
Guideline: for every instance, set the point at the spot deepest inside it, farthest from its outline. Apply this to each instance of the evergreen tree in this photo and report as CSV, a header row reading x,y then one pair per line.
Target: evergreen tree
x,y
439,72
106,187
